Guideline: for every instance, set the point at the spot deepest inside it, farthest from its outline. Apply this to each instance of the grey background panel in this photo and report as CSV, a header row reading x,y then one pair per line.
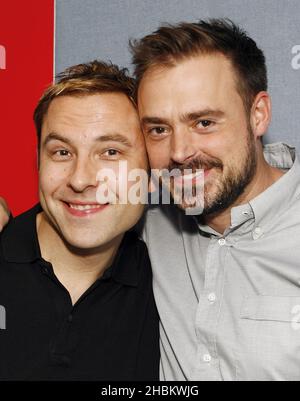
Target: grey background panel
x,y
91,29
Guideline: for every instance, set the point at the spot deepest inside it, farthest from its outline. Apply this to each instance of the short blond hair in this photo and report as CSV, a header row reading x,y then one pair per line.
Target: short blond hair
x,y
85,79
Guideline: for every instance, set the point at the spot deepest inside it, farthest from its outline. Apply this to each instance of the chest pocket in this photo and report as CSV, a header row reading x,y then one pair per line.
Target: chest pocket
x,y
268,345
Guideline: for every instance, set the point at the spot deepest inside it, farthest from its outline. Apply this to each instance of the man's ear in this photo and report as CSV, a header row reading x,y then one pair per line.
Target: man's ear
x,y
4,214
261,113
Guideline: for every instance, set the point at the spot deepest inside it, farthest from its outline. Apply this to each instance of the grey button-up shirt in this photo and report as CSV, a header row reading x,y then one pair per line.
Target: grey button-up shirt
x,y
230,304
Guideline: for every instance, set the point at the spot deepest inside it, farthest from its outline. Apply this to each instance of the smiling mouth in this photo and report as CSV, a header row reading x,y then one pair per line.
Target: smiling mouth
x,y
82,209
195,177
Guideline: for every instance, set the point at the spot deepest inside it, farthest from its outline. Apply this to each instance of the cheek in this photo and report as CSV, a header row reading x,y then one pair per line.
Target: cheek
x,y
52,178
228,146
137,181
158,154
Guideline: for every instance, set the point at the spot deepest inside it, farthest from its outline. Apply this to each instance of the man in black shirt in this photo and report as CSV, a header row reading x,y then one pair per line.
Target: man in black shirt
x,y
75,285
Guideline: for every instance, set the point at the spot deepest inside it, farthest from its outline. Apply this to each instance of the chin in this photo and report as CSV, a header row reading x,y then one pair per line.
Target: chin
x,y
86,242
82,246
192,203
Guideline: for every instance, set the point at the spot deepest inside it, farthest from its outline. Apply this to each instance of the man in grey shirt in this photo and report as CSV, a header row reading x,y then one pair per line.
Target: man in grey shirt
x,y
226,282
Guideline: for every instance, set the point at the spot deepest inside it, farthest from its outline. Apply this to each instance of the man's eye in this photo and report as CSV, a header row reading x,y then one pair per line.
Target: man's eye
x,y
111,152
204,123
62,153
157,130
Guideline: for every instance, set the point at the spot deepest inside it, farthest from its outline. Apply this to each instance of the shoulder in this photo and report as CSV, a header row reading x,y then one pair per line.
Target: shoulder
x,y
167,221
138,250
132,261
18,241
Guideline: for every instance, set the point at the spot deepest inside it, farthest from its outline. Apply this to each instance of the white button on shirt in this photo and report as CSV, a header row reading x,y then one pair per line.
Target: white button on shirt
x,y
257,233
212,297
207,358
222,241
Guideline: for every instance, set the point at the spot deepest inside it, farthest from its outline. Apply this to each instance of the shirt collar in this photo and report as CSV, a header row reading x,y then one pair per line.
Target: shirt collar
x,y
19,243
269,203
276,199
125,268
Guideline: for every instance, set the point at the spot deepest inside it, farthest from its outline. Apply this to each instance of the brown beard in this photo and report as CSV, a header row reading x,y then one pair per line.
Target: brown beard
x,y
232,186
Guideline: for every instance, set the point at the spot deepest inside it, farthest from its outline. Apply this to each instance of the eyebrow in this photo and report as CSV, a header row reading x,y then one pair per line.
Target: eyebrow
x,y
114,137
195,115
56,137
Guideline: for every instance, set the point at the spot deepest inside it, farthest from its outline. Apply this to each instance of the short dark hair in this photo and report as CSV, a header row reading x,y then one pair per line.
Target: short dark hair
x,y
173,43
85,79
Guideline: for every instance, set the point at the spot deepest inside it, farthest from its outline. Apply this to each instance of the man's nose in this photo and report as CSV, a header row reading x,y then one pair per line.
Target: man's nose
x,y
83,176
182,148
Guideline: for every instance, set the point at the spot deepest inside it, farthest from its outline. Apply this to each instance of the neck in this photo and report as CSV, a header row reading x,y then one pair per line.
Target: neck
x,y
265,177
76,269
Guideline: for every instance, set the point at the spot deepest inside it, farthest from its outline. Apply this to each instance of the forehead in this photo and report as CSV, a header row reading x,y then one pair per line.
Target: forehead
x,y
92,115
210,78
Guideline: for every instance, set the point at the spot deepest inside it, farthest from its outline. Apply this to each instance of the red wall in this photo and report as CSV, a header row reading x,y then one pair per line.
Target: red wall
x,y
27,34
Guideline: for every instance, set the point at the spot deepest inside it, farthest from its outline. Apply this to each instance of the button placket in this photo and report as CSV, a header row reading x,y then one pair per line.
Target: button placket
x,y
208,309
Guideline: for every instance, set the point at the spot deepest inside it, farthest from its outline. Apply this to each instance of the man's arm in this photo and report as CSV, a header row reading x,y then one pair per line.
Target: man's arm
x,y
4,213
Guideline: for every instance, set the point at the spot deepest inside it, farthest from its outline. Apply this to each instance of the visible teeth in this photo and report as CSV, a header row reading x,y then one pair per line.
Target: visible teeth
x,y
84,207
193,175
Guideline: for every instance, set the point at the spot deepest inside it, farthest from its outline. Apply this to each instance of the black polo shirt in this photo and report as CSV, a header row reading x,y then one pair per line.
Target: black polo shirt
x,y
112,332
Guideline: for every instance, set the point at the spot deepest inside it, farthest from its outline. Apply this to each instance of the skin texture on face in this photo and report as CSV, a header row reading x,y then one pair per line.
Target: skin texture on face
x,y
80,136
194,118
